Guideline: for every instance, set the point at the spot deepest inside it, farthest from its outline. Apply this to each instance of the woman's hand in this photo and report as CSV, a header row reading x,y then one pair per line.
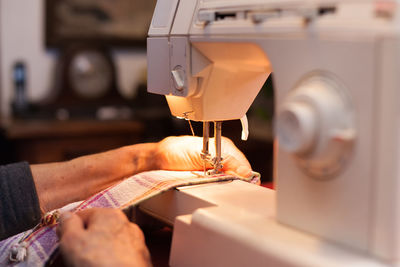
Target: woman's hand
x,y
183,153
101,237
58,184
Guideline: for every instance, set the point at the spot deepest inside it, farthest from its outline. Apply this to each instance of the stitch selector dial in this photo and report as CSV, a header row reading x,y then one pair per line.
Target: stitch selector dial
x,y
316,125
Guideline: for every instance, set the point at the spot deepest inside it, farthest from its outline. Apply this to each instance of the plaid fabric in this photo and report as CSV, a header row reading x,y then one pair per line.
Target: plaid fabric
x,y
130,192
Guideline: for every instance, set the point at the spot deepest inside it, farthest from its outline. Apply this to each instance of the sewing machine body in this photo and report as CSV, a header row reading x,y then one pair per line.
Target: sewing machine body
x,y
212,228
335,67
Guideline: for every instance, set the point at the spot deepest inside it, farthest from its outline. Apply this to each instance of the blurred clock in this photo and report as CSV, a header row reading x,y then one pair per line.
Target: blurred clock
x,y
85,81
85,73
90,74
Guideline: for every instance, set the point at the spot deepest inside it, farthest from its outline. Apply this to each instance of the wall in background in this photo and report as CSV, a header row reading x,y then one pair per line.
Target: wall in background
x,y
22,38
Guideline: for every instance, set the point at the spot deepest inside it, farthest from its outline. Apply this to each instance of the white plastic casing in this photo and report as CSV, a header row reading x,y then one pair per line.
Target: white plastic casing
x,y
163,17
336,182
297,127
316,124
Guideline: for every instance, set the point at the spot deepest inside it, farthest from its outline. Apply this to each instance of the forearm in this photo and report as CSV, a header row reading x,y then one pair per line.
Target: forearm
x,y
58,184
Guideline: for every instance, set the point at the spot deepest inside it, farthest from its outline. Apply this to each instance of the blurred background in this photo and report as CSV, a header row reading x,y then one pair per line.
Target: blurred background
x,y
73,82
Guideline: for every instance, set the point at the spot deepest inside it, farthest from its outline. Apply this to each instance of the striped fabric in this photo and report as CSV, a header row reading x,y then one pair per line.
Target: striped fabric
x,y
130,192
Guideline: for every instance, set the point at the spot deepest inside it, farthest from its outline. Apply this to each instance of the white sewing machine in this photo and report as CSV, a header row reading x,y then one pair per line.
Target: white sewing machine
x,y
336,68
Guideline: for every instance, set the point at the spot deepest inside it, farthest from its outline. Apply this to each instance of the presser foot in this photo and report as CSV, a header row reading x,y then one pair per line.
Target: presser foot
x,y
217,167
206,157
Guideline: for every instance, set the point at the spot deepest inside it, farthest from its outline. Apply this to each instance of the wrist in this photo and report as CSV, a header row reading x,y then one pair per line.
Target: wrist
x,y
143,157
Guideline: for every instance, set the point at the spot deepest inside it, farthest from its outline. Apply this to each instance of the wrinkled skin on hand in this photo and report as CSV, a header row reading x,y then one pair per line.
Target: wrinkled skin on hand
x,y
183,153
101,237
105,237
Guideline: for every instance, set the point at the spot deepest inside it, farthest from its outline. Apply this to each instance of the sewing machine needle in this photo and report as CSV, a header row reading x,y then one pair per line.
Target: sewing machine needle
x,y
218,136
206,138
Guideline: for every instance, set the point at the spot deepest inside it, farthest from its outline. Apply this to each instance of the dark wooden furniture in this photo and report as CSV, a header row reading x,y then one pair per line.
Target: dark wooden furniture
x,y
40,141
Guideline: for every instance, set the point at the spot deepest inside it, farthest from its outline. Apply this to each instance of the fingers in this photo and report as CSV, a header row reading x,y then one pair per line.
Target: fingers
x,y
104,217
235,167
183,153
77,223
108,220
102,237
70,223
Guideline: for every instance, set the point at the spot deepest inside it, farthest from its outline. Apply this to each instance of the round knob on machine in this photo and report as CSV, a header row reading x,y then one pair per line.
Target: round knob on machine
x,y
296,127
315,124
